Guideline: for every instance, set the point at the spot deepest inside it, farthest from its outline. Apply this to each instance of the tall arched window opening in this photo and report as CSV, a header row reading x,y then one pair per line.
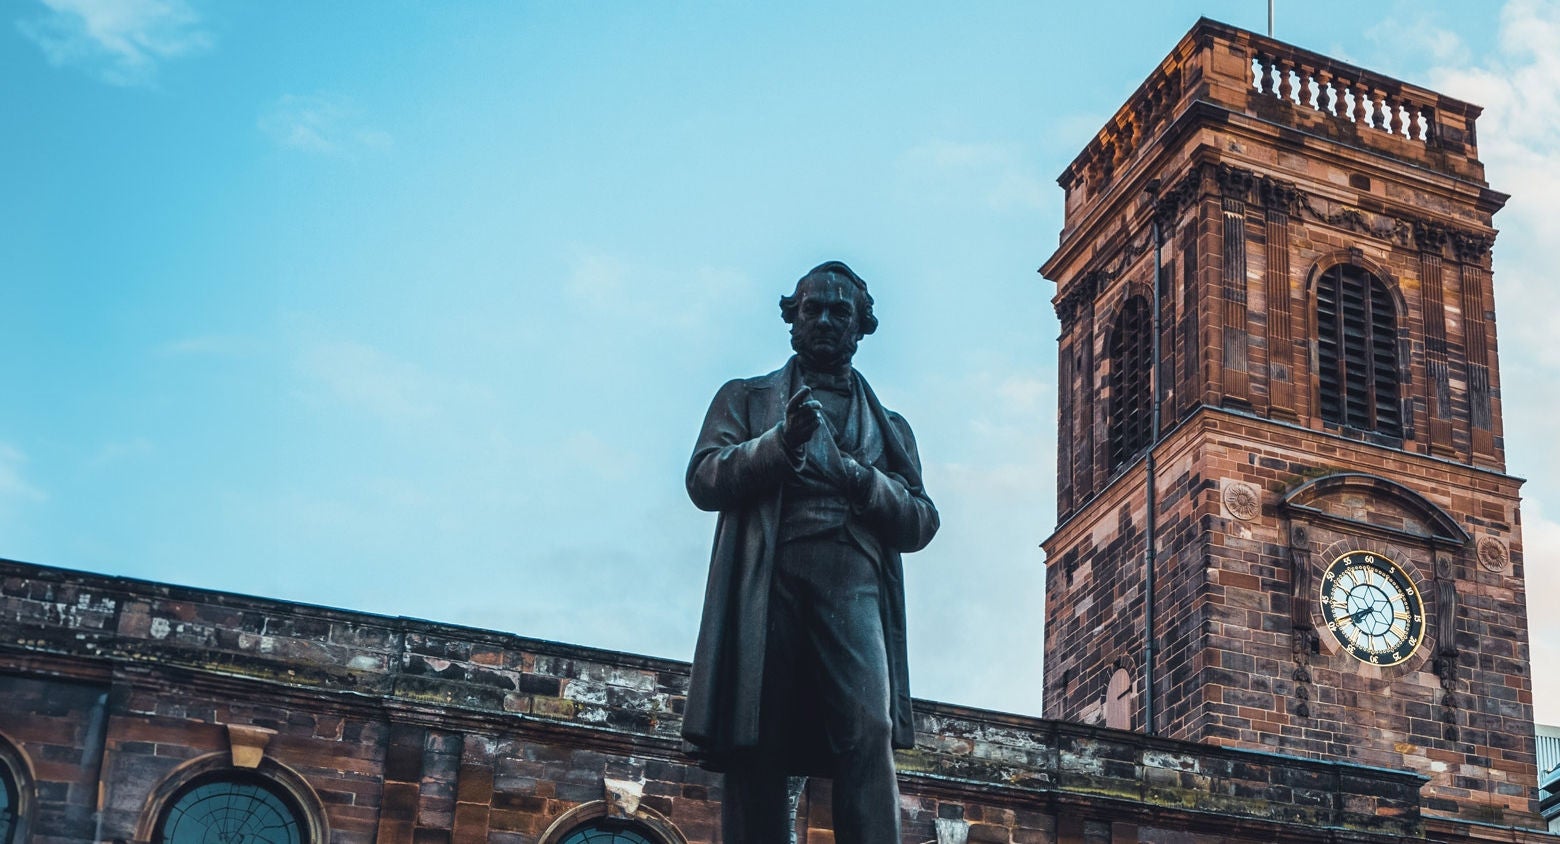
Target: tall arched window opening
x,y
1357,352
1131,352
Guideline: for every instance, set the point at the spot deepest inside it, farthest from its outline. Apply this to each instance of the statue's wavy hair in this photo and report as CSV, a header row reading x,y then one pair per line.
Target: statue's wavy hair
x,y
868,321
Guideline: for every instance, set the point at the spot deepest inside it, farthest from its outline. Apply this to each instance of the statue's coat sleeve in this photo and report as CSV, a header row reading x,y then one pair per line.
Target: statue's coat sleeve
x,y
737,468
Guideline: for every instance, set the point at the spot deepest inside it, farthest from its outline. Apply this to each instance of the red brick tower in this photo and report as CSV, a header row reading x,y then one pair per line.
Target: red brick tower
x,y
1337,567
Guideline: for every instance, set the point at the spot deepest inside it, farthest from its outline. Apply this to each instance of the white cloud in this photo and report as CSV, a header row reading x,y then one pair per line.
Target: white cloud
x,y
1002,176
322,124
122,41
654,297
1519,143
1410,36
14,487
590,452
122,451
1541,558
365,378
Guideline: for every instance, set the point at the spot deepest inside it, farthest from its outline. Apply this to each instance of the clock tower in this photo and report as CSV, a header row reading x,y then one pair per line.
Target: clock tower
x,y
1285,521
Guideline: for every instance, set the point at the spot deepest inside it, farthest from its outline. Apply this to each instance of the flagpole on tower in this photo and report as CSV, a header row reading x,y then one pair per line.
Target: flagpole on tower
x,y
1270,18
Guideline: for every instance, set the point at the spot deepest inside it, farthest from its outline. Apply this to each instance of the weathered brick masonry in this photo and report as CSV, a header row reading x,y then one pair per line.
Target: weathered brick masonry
x,y
1265,166
116,692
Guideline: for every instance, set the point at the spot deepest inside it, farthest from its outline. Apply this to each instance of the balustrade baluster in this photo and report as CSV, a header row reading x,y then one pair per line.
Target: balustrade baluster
x,y
1307,86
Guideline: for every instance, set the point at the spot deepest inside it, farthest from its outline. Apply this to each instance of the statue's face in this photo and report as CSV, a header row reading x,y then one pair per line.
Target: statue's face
x,y
827,326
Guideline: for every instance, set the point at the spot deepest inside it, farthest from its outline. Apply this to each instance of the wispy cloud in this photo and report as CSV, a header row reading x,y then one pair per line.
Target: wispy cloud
x,y
1519,143
14,487
322,124
643,294
1540,538
121,451
1002,176
1407,37
364,377
989,502
120,41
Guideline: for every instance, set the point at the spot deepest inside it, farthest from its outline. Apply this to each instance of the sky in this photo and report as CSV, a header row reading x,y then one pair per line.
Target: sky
x,y
415,308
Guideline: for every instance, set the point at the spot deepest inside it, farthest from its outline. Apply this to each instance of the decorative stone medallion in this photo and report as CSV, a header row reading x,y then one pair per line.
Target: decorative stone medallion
x,y
1492,554
1241,499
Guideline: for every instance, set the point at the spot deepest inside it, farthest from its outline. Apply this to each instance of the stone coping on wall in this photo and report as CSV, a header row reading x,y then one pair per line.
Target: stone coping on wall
x,y
63,622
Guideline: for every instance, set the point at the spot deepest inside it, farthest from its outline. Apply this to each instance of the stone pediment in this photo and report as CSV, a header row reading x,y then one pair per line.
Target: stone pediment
x,y
1355,500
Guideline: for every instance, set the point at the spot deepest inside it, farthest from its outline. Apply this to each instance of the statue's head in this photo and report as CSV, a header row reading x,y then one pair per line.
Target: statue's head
x,y
829,313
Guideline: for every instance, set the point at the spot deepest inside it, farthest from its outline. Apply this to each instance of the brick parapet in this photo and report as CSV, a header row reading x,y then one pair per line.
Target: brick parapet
x,y
409,661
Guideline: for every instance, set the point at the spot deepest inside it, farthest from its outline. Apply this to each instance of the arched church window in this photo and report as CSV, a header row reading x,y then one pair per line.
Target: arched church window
x,y
230,807
1130,349
10,803
610,831
1357,352
14,789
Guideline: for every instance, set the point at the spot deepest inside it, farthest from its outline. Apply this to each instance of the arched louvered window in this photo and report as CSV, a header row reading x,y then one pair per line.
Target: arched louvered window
x,y
1131,348
1357,352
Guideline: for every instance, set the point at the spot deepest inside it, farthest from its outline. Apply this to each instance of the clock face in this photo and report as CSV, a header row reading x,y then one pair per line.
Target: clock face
x,y
1373,608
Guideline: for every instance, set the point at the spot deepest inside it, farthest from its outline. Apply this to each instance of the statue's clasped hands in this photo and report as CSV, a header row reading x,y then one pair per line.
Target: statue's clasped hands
x,y
803,419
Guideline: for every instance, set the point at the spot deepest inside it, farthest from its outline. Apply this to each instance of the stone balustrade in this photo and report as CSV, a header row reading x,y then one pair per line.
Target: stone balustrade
x,y
1220,76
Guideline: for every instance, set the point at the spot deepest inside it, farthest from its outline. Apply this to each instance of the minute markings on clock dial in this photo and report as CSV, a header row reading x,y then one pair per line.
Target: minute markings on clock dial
x,y
1372,607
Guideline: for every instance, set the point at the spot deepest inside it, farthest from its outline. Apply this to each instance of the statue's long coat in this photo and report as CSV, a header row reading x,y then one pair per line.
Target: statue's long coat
x,y
739,467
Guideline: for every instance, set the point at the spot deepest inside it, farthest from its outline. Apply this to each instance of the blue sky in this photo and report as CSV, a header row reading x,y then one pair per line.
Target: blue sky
x,y
415,308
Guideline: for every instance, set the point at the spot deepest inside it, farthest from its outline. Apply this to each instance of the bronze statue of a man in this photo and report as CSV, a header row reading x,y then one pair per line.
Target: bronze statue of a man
x,y
800,663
